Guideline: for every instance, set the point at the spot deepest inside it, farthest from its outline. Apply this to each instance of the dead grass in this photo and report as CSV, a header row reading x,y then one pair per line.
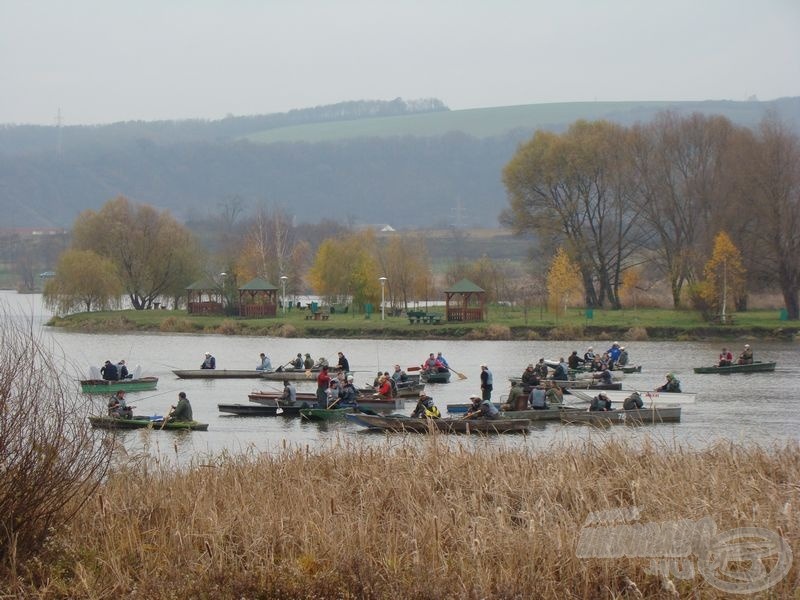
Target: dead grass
x,y
404,521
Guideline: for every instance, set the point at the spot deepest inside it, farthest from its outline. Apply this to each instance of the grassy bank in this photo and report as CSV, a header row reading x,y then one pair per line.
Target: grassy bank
x,y
502,323
407,522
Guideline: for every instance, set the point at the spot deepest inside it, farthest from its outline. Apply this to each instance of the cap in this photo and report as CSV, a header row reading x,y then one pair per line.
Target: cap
x,y
349,378
474,397
530,365
484,366
208,353
747,345
589,348
182,395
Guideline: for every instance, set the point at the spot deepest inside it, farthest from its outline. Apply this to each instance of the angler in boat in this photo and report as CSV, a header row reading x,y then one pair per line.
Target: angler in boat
x,y
673,385
425,408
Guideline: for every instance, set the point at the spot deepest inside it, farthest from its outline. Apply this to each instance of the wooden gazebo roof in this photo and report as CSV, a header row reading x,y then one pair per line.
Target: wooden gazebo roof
x,y
258,298
465,301
204,297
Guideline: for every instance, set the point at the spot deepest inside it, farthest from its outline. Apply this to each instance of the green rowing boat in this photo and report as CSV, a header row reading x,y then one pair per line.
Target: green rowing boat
x,y
143,422
755,367
102,386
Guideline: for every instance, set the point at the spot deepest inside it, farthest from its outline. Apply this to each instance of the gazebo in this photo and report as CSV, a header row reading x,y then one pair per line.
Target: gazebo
x,y
465,301
204,298
258,298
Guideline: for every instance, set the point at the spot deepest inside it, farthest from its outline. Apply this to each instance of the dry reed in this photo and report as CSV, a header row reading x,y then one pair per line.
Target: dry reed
x,y
432,518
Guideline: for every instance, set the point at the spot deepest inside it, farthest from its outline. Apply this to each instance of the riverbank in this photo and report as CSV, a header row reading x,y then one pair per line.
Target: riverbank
x,y
503,323
428,520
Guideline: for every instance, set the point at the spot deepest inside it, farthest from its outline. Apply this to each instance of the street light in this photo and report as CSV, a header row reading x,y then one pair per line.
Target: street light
x,y
283,285
383,302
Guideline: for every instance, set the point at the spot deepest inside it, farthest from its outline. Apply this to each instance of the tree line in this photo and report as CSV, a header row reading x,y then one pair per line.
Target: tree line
x,y
654,196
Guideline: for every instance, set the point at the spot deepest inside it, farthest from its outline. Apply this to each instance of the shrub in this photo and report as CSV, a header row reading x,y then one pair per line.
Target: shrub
x,y
228,327
636,334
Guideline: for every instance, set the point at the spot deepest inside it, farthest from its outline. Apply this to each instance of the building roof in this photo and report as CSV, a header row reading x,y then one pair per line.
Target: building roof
x,y
203,284
465,286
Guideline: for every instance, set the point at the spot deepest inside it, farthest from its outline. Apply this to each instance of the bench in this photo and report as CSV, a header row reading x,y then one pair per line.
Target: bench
x,y
318,314
418,316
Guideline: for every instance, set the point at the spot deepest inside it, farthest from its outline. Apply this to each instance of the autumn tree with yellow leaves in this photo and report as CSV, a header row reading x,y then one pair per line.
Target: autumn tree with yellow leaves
x,y
724,277
563,282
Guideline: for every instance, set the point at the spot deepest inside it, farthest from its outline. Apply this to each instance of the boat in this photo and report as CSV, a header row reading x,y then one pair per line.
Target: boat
x,y
438,377
404,423
218,374
267,397
629,369
655,414
144,422
649,398
585,384
102,386
404,390
547,414
754,367
262,410
462,407
364,400
293,374
325,414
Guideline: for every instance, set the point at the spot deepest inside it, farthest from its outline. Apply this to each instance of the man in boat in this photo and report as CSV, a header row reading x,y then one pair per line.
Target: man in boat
x,y
633,401
332,393
538,399
297,363
541,369
266,363
600,402
746,357
561,372
182,411
289,395
392,383
109,371
384,387
623,359
554,394
613,355
605,377
425,408
343,363
482,409
588,356
673,385
725,358
517,400
399,375
574,361
210,362
429,366
442,360
117,407
308,363
122,370
529,377
487,383
323,383
348,395
322,362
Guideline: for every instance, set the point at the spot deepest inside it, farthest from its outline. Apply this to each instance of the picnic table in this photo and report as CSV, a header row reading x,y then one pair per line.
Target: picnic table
x,y
420,316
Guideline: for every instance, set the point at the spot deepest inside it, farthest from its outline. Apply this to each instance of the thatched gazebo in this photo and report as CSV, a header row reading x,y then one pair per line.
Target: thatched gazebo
x,y
258,298
204,297
465,301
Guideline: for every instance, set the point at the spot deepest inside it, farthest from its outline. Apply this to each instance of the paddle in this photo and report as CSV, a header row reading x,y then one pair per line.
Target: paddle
x,y
282,367
413,369
460,375
166,419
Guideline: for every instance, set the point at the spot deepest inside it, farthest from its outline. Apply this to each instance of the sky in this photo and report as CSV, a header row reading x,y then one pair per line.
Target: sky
x,y
104,61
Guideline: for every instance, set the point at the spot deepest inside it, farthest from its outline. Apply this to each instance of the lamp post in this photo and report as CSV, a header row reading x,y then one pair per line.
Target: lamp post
x,y
283,289
383,302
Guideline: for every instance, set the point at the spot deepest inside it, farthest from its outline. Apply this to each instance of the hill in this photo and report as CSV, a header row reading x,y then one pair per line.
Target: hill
x,y
412,164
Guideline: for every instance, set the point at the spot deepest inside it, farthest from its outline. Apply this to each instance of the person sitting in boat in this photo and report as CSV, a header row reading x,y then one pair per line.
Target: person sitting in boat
x,y
538,399
392,383
384,387
348,395
482,409
425,408
600,402
561,372
122,370
574,361
343,363
182,411
399,375
604,377
529,377
613,354
541,369
297,363
266,363
623,359
289,395
109,371
442,360
322,362
725,358
517,399
332,393
117,407
597,363
588,356
210,362
673,385
746,357
308,363
429,366
554,394
376,383
633,401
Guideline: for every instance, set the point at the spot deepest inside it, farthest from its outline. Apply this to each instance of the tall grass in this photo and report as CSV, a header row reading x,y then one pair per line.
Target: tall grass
x,y
437,519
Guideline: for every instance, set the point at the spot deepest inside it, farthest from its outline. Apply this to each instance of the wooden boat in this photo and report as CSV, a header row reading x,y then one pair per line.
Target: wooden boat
x,y
404,390
403,423
218,374
438,377
144,422
629,369
266,397
755,367
325,414
462,407
649,398
101,386
581,384
664,414
364,400
547,414
293,374
263,410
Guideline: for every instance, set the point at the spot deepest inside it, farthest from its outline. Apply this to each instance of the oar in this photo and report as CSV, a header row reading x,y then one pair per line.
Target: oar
x,y
166,418
460,375
282,367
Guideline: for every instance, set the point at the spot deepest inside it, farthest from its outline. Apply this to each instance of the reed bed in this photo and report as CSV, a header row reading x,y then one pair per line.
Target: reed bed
x,y
435,519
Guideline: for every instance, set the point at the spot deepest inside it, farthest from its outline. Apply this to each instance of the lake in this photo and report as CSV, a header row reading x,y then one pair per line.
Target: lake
x,y
742,408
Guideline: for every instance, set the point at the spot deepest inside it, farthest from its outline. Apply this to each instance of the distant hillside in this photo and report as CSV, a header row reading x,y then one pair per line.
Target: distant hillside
x,y
411,164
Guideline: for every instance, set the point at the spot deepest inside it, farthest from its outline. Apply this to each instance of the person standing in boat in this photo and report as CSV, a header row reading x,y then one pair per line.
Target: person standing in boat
x,y
109,371
209,362
487,384
183,410
725,358
746,357
482,409
323,382
673,385
613,355
289,395
343,363
266,363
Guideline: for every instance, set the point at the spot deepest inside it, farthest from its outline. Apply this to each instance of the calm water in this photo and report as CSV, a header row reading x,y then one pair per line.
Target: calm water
x,y
751,408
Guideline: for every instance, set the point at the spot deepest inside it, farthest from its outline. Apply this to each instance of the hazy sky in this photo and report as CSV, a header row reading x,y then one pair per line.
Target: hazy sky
x,y
100,61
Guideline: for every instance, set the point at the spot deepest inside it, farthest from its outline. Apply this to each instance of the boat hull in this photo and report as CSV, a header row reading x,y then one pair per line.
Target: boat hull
x,y
641,416
262,410
442,377
101,386
217,374
291,375
100,422
394,423
756,367
365,401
